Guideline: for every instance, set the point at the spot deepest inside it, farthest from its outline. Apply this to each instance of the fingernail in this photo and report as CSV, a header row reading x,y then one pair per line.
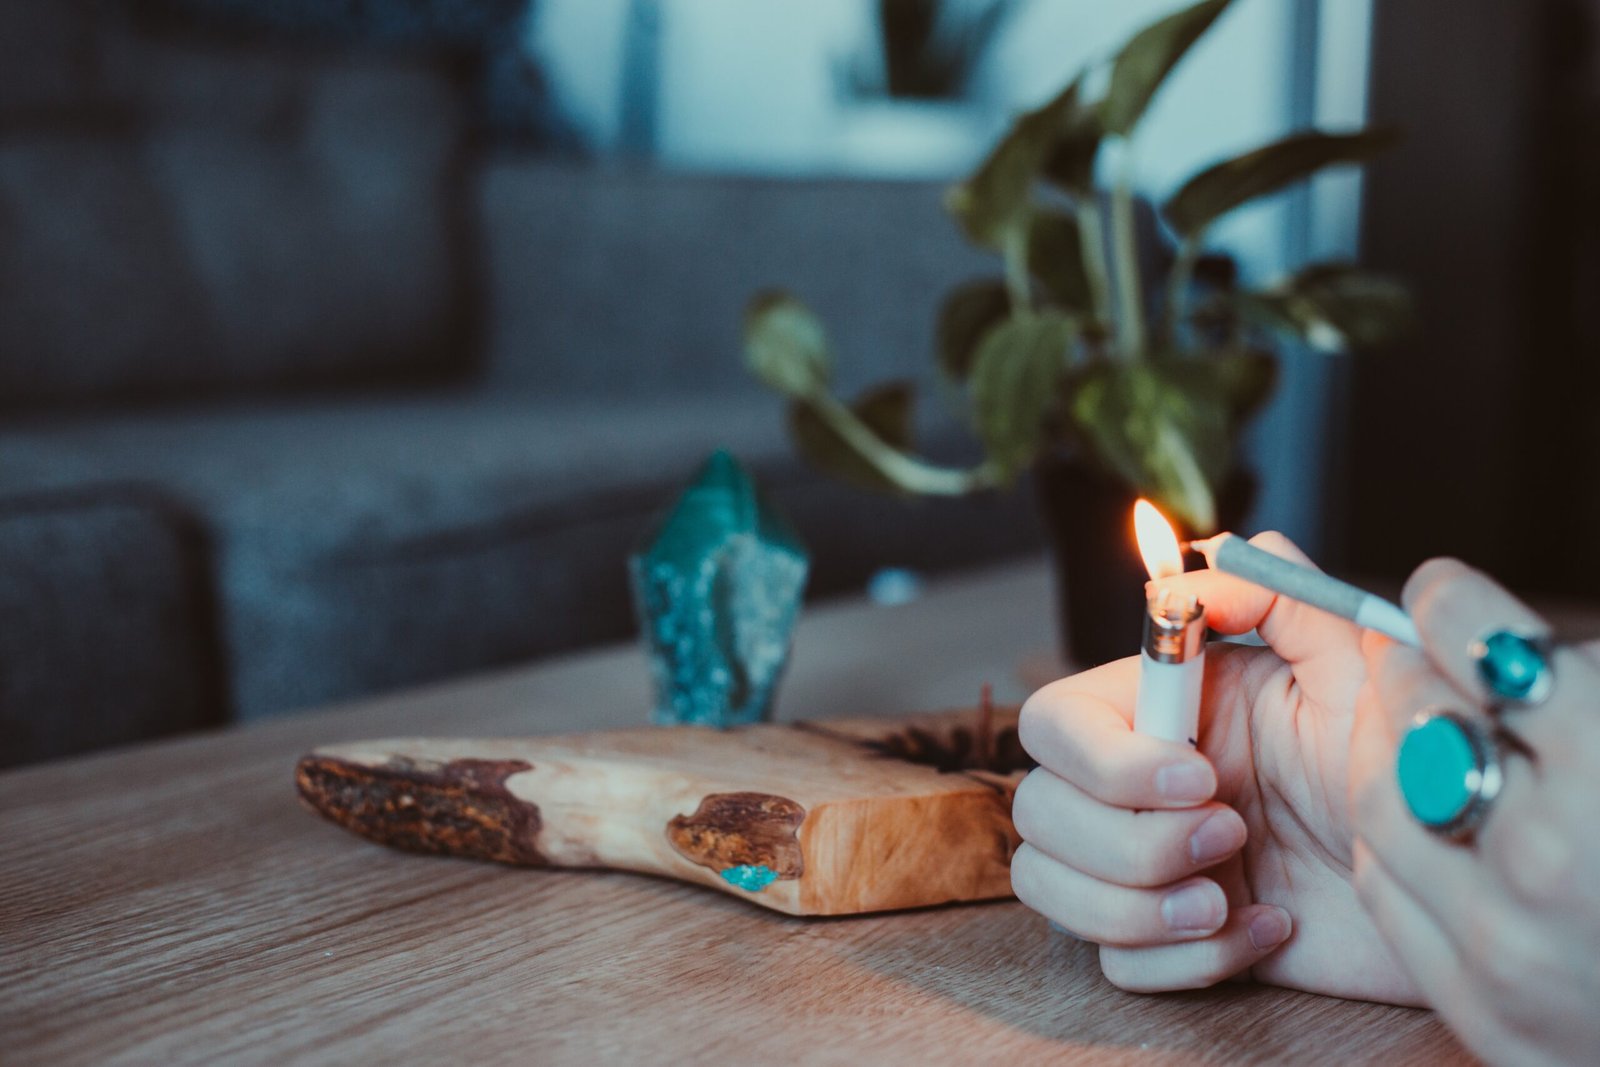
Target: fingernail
x,y
1194,907
1219,836
1184,781
1269,928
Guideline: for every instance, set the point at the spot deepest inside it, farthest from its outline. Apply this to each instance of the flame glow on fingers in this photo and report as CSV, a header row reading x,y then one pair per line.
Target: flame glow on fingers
x,y
1158,544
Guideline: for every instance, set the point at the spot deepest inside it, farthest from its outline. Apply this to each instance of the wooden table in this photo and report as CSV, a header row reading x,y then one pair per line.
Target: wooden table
x,y
174,903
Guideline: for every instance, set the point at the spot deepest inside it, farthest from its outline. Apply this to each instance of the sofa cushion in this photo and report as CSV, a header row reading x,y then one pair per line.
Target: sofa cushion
x,y
116,586
98,292
205,217
654,269
363,545
46,59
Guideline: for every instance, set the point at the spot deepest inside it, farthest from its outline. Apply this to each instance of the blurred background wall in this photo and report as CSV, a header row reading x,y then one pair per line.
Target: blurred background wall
x,y
347,346
1475,437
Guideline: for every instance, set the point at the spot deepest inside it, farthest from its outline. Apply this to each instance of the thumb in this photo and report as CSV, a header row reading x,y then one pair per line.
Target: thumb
x,y
1251,934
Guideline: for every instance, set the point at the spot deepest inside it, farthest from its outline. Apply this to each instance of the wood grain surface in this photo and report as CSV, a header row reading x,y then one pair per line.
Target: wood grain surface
x,y
173,903
833,816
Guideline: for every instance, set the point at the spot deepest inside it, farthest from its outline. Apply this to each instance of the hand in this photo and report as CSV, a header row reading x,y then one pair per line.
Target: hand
x,y
1503,936
1191,867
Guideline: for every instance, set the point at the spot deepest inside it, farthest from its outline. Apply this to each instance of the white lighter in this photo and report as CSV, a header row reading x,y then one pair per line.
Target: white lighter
x,y
1172,658
1172,667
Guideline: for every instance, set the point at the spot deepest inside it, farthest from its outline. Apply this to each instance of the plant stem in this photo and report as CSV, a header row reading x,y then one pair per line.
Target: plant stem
x,y
1130,293
1015,254
1178,283
906,471
1092,244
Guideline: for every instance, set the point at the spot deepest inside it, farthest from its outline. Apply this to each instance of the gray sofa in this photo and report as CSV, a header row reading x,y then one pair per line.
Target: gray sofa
x,y
305,395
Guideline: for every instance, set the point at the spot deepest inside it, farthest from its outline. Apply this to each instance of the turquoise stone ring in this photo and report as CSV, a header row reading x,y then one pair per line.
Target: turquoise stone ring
x,y
1449,771
1514,667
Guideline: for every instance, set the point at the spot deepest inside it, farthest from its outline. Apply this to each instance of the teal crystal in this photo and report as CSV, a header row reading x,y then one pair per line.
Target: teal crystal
x,y
750,878
1511,665
1439,771
717,586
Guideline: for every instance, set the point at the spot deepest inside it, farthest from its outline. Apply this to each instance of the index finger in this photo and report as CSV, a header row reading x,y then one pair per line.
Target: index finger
x,y
1081,729
1455,607
1296,631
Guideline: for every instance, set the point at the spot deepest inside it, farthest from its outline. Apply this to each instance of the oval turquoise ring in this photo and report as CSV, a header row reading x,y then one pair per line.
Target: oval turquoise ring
x,y
1449,771
1514,667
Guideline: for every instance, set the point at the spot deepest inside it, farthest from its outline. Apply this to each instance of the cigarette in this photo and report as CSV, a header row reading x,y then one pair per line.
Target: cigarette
x,y
1234,555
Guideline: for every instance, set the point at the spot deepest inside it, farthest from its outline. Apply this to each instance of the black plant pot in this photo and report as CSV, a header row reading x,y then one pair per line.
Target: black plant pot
x,y
1099,577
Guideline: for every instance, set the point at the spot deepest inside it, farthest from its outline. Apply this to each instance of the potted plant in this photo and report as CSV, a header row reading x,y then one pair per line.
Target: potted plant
x,y
1109,380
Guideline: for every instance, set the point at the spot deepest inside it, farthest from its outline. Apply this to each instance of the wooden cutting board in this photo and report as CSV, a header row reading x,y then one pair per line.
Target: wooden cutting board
x,y
817,818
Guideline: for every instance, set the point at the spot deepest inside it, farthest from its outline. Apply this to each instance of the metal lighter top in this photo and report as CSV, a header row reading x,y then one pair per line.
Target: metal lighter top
x,y
1174,628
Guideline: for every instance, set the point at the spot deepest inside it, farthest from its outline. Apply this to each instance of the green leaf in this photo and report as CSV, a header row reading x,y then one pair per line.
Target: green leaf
x,y
1248,379
967,314
997,200
785,345
1166,434
1219,189
1055,257
1241,381
1145,61
1015,380
1069,163
886,411
1332,307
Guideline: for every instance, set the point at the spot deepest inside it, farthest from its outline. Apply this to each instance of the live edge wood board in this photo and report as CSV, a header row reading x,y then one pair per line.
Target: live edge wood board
x,y
821,818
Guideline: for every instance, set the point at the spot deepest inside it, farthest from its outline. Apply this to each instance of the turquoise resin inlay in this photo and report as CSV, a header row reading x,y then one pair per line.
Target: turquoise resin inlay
x,y
750,878
1511,665
1439,771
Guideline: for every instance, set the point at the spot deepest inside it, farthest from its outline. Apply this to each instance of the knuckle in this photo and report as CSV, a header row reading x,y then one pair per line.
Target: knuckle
x,y
1026,805
1212,964
1279,544
1511,969
1023,881
1098,913
1154,858
1121,968
1029,722
1033,707
1432,586
1126,917
1510,959
1146,868
1538,862
1040,714
1199,966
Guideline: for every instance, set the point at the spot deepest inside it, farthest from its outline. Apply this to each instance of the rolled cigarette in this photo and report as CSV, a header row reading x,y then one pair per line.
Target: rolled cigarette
x,y
1234,555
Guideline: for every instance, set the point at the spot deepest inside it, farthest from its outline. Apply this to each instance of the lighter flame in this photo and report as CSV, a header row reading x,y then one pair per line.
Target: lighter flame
x,y
1157,543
